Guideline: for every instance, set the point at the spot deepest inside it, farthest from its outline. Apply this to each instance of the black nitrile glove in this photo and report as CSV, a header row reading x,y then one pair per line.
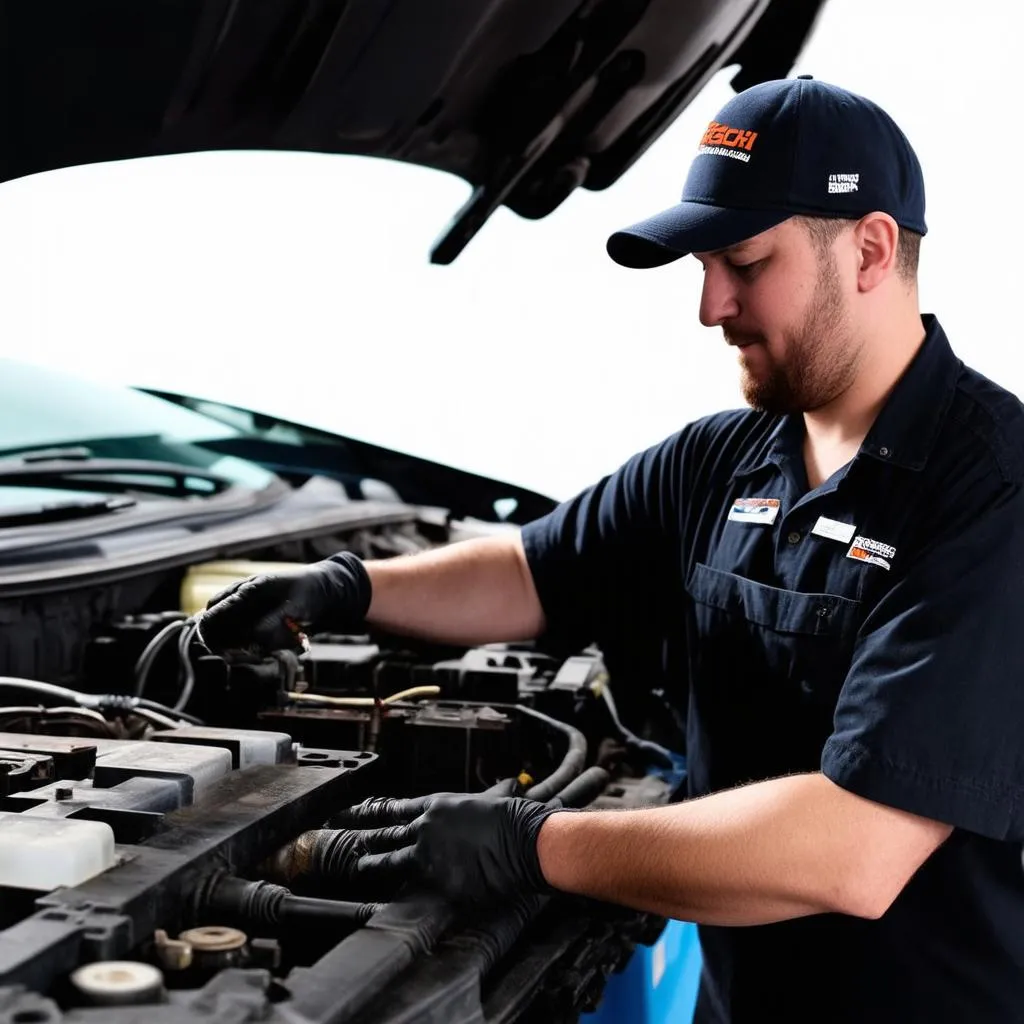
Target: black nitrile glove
x,y
270,613
474,849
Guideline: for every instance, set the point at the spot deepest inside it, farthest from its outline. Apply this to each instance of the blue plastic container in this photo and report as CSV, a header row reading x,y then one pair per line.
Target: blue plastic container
x,y
659,984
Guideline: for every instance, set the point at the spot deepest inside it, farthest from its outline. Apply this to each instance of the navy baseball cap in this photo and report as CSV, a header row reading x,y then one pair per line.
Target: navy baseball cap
x,y
776,150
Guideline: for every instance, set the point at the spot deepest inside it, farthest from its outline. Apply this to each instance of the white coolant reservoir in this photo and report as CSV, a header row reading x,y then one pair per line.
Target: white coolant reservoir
x,y
43,853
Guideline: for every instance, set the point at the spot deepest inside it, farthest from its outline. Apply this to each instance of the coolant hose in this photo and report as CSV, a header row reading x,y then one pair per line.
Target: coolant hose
x,y
572,763
585,788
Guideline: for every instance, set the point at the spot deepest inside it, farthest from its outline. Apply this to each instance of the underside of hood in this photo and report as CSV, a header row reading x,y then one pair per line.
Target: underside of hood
x,y
525,99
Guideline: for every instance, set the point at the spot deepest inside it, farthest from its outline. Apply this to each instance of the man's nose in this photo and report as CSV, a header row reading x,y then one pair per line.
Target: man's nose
x,y
718,302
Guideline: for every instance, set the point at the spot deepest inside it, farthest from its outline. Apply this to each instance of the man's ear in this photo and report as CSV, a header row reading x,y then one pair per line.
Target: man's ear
x,y
875,236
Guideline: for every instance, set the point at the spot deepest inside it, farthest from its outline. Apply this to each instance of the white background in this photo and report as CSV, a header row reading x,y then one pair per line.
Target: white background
x,y
299,284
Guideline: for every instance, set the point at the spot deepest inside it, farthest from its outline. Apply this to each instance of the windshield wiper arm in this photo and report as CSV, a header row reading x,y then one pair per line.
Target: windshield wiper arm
x,y
56,467
63,511
79,452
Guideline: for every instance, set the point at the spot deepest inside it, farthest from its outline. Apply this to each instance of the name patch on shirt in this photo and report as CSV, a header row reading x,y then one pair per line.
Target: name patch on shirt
x,y
873,551
755,510
834,530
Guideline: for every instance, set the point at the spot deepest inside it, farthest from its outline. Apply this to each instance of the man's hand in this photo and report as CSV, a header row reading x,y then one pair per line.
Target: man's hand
x,y
478,849
272,612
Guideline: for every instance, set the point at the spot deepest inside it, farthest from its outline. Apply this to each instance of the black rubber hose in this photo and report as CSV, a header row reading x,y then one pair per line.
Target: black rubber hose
x,y
585,788
307,910
572,763
152,705
269,904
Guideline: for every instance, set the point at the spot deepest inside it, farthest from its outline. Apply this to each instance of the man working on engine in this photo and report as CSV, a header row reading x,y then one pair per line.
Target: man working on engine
x,y
833,578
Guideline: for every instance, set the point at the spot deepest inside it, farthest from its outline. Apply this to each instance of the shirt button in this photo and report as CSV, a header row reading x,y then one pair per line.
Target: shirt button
x,y
884,452
794,537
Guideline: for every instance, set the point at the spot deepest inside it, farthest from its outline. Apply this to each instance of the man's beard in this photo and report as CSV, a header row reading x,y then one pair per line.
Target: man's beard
x,y
820,360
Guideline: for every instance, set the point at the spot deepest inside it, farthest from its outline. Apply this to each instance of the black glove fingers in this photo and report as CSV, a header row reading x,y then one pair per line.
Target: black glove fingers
x,y
273,633
382,810
392,837
226,592
244,619
396,865
224,623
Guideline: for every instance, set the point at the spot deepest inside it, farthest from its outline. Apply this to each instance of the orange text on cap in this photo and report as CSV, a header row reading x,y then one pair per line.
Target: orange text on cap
x,y
722,135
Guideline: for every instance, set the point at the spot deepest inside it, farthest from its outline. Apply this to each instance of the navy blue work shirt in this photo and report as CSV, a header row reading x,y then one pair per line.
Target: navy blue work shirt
x,y
871,628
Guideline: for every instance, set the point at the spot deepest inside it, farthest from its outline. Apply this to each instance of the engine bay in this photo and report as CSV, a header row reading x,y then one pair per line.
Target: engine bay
x,y
166,846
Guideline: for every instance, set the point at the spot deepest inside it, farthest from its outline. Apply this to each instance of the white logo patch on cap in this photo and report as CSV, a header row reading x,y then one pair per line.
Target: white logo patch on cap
x,y
843,183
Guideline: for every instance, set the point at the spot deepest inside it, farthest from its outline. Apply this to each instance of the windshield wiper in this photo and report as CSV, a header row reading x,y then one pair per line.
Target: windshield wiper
x,y
63,511
72,467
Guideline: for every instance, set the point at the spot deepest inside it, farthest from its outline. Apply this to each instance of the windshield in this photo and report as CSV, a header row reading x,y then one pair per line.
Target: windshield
x,y
42,408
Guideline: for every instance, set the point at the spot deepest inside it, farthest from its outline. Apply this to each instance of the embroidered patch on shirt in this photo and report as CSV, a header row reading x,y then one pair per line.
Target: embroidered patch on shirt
x,y
834,530
873,551
755,510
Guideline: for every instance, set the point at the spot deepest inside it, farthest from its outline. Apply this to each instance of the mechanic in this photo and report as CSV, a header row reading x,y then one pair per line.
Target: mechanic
x,y
831,579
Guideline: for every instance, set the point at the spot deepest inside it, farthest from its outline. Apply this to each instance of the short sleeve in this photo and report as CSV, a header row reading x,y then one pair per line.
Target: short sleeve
x,y
606,563
930,718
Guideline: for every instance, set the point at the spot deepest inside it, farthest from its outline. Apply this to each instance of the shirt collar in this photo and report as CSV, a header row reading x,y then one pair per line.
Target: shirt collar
x,y
905,431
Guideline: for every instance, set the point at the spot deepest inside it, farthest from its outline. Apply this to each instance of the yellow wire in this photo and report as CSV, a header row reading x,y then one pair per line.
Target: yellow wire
x,y
368,702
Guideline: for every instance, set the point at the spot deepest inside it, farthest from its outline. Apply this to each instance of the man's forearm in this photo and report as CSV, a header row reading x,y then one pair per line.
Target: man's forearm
x,y
766,852
476,591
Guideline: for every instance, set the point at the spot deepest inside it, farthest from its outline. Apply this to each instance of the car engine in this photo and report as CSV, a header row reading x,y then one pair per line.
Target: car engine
x,y
167,851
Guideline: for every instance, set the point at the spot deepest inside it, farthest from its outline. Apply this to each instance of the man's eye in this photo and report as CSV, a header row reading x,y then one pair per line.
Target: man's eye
x,y
746,269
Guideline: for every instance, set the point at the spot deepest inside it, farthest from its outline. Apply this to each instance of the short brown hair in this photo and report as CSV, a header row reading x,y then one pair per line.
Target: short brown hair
x,y
825,230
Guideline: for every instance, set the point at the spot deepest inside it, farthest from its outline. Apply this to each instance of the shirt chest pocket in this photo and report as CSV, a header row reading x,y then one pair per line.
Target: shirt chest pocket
x,y
797,643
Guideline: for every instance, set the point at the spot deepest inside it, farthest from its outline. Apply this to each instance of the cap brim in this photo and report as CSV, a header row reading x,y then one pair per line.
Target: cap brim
x,y
686,228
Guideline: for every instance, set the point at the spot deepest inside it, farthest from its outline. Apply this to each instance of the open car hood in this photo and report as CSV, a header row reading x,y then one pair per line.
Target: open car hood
x,y
368,471
525,99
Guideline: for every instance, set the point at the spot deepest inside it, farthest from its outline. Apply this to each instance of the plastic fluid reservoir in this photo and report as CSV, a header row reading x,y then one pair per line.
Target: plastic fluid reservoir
x,y
43,853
